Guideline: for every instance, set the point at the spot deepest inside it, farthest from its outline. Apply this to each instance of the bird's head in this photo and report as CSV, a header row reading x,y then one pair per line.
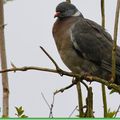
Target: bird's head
x,y
66,9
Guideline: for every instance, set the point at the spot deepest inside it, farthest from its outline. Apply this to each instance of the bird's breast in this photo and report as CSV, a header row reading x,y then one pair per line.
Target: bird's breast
x,y
61,32
62,37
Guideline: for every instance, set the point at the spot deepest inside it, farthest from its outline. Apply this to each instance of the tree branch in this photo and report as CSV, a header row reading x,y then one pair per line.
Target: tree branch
x,y
117,111
85,77
103,13
74,82
104,98
80,98
49,106
65,88
5,84
53,61
73,111
89,104
115,41
103,86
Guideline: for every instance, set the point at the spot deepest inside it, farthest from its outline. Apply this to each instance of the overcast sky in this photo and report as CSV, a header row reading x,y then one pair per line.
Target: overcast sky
x,y
29,25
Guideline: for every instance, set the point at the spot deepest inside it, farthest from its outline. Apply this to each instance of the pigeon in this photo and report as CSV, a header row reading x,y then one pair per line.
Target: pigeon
x,y
84,46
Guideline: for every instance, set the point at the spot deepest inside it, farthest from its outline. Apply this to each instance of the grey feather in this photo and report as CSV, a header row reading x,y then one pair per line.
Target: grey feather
x,y
94,43
84,46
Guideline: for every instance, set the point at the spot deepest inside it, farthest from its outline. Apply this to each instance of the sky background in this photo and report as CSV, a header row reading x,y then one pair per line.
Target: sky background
x,y
29,25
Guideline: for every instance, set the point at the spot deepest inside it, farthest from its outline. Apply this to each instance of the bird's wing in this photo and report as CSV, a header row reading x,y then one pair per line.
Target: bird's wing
x,y
108,38
92,42
106,62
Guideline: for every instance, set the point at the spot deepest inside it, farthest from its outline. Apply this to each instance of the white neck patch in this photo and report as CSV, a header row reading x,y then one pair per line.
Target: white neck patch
x,y
78,13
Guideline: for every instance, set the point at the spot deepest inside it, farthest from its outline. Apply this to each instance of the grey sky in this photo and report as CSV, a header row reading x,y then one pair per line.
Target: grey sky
x,y
29,25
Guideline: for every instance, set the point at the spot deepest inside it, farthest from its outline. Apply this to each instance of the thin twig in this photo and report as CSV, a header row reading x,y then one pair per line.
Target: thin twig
x,y
69,86
85,85
65,88
80,98
87,78
89,104
73,111
79,94
51,108
115,41
104,98
45,100
103,13
117,111
53,61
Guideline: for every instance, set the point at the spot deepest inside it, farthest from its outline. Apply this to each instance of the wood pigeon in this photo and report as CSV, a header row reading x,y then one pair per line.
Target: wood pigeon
x,y
84,46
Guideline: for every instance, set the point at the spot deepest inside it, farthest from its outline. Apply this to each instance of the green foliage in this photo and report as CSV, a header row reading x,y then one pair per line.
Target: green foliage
x,y
20,112
110,114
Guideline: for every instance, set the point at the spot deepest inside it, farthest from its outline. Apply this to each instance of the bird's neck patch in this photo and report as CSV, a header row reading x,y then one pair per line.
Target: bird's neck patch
x,y
78,13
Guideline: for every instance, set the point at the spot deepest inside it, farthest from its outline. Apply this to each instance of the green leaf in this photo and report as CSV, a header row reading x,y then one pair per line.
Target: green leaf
x,y
24,116
17,109
20,110
110,114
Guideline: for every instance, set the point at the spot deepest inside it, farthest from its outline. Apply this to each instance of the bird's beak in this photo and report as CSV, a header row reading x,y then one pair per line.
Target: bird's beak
x,y
56,14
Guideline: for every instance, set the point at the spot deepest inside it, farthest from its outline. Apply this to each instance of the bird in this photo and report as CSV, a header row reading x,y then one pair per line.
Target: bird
x,y
84,45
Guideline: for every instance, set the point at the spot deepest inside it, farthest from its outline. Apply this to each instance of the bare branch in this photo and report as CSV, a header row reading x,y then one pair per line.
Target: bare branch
x,y
74,82
85,85
117,111
85,77
103,86
65,88
89,103
103,13
73,111
45,100
5,84
105,82
53,61
50,107
104,100
80,98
